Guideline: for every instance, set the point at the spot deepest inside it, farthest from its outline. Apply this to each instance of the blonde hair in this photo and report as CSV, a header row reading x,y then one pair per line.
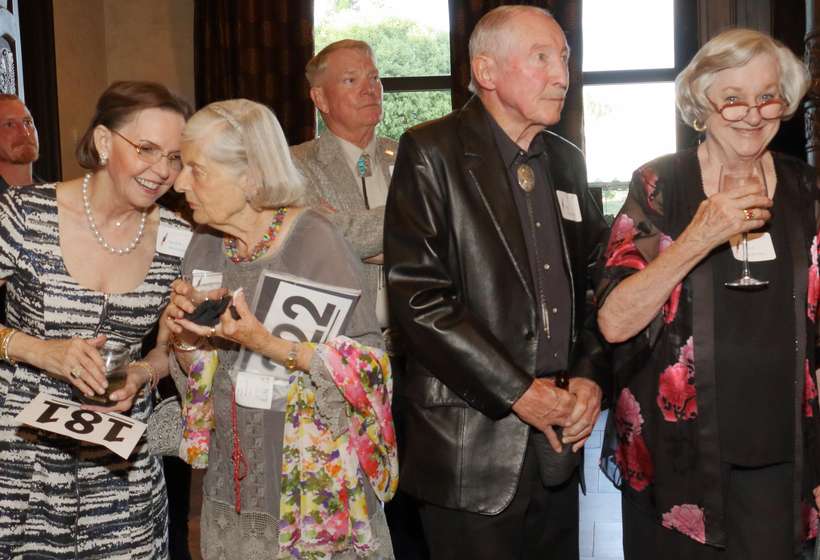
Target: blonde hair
x,y
732,49
245,137
492,36
317,65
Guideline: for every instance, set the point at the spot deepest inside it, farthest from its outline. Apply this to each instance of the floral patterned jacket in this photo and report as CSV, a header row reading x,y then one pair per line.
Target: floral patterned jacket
x,y
662,443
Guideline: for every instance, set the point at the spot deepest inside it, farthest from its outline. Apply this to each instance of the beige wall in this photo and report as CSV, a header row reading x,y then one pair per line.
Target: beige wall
x,y
101,41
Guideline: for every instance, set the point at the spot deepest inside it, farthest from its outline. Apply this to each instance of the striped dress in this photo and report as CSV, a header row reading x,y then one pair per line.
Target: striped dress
x,y
60,498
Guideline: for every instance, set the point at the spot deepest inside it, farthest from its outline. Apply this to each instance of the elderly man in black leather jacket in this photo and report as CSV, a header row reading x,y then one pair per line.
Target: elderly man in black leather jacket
x,y
489,235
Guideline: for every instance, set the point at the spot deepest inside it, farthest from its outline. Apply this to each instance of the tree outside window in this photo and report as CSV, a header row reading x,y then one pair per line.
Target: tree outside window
x,y
411,41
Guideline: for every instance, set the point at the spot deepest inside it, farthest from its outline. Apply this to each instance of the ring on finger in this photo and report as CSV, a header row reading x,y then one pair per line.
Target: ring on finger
x,y
748,214
213,332
75,373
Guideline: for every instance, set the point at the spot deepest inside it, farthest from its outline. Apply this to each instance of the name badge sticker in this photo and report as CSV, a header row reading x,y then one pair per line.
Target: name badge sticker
x,y
761,247
173,241
205,280
114,431
570,209
262,391
254,390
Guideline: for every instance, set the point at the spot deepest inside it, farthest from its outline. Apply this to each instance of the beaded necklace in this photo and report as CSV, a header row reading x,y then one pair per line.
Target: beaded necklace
x,y
263,245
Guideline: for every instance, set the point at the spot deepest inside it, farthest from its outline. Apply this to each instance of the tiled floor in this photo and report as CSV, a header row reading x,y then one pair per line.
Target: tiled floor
x,y
600,508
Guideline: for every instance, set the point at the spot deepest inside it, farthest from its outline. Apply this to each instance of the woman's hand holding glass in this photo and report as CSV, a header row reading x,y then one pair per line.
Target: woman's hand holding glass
x,y
724,215
75,360
751,177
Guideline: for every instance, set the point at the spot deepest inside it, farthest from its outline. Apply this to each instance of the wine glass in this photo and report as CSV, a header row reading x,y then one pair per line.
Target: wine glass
x,y
115,356
739,178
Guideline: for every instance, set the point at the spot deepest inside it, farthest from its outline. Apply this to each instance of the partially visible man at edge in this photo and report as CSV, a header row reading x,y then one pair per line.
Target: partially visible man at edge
x,y
489,233
19,144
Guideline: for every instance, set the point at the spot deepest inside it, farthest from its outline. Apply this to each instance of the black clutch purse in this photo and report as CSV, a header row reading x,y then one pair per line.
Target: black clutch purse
x,y
554,468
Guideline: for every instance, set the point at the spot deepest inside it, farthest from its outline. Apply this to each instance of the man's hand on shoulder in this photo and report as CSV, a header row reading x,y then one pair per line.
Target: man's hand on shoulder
x,y
587,407
543,406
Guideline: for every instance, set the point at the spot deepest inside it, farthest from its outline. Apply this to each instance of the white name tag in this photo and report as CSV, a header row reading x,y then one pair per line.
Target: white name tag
x,y
118,433
205,280
261,391
390,169
570,209
173,241
761,247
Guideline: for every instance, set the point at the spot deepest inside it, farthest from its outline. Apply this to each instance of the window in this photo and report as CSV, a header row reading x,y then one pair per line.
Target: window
x,y
411,41
631,56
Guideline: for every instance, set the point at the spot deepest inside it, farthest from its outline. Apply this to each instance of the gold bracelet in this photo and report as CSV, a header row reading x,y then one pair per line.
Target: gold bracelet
x,y
6,347
293,354
182,346
6,334
153,379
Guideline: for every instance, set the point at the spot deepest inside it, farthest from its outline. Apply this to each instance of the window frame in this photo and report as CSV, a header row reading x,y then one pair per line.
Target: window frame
x,y
685,22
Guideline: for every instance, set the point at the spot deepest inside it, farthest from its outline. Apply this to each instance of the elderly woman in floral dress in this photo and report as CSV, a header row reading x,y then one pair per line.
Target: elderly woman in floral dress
x,y
713,440
304,482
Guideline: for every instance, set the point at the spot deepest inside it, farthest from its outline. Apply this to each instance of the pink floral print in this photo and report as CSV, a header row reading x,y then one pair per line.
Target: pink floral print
x,y
688,519
322,508
650,180
809,392
621,249
670,308
632,455
676,387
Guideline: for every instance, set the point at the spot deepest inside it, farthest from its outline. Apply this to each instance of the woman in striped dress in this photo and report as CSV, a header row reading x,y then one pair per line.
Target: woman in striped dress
x,y
79,261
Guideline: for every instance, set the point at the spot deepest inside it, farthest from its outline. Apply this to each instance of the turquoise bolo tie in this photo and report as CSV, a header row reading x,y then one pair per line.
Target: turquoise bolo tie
x,y
364,168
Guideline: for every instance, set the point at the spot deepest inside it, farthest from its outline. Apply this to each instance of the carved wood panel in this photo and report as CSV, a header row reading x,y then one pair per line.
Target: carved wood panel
x,y
11,71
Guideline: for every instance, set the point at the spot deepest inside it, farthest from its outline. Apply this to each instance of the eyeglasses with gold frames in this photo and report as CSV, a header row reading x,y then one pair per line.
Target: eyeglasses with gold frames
x,y
150,153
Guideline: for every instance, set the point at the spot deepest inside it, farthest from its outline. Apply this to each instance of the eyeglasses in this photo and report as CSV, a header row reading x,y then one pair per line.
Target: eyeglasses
x,y
150,153
737,111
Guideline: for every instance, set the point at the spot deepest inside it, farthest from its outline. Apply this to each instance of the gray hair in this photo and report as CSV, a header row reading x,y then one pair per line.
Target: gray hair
x,y
317,65
245,137
491,34
732,49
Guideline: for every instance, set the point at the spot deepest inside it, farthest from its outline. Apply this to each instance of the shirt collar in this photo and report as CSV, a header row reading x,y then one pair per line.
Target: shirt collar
x,y
352,152
511,153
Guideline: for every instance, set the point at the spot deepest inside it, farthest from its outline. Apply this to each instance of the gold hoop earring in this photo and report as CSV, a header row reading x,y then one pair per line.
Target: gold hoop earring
x,y
697,126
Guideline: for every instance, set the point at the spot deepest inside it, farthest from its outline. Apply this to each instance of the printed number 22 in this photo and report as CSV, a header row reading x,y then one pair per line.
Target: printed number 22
x,y
290,307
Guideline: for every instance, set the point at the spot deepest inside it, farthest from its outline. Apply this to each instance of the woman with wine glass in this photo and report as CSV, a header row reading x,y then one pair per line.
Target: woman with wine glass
x,y
713,435
83,265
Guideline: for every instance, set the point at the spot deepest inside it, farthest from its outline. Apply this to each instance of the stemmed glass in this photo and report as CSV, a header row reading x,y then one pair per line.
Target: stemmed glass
x,y
731,179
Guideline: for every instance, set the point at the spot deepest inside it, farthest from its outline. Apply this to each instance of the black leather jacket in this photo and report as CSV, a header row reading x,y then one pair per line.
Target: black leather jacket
x,y
461,292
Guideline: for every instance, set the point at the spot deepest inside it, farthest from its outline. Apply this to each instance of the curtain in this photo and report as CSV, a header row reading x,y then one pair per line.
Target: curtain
x,y
39,77
464,14
257,49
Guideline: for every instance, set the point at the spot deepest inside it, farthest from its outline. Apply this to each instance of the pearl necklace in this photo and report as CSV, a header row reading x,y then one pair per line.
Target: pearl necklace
x,y
93,226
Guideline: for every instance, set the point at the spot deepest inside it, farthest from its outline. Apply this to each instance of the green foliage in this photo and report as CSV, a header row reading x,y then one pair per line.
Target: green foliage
x,y
402,49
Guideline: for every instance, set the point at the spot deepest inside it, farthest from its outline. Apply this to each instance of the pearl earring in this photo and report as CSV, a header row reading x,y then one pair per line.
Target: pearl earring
x,y
103,159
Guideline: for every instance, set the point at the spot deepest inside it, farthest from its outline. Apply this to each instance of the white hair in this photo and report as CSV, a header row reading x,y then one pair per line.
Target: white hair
x,y
732,49
245,137
492,36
